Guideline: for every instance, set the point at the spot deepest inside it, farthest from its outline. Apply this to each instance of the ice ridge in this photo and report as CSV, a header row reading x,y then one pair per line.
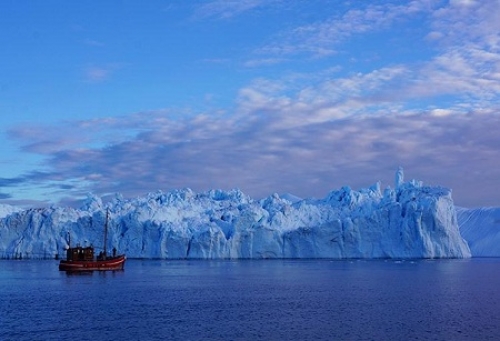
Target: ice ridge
x,y
409,221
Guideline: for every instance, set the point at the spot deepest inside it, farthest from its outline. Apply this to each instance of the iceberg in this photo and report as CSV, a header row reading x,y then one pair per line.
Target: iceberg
x,y
409,221
481,228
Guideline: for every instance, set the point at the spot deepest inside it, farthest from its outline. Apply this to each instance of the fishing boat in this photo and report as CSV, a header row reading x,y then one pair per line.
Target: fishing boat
x,y
82,259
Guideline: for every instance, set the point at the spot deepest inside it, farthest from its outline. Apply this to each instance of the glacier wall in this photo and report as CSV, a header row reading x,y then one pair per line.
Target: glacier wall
x,y
481,228
410,221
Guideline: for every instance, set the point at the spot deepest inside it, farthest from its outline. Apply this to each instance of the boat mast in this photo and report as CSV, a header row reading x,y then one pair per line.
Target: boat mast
x,y
106,234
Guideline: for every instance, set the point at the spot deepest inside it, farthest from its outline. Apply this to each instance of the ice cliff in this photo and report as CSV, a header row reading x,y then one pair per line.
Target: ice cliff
x,y
409,221
481,228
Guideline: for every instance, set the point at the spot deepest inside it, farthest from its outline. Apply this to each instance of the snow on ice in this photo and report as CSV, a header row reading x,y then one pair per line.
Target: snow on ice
x,y
409,221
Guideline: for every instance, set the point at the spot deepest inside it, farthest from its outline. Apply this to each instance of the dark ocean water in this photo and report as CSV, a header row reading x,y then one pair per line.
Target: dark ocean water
x,y
253,300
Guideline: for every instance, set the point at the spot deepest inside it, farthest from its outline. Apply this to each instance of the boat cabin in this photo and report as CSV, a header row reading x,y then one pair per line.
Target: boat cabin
x,y
80,253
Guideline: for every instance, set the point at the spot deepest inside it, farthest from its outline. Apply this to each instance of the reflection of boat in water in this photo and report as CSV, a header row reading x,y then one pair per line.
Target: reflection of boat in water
x,y
80,258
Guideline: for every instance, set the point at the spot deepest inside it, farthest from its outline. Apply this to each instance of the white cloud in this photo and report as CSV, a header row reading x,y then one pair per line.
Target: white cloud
x,y
463,2
100,73
224,9
307,133
441,112
96,74
262,62
469,23
321,39
262,153
92,42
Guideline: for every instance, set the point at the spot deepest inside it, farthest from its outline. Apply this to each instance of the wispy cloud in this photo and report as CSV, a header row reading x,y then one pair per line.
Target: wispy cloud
x,y
322,38
93,42
101,73
308,133
4,196
224,9
97,74
262,62
255,151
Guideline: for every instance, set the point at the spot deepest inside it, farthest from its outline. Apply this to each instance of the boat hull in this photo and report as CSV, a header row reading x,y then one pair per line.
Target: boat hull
x,y
113,263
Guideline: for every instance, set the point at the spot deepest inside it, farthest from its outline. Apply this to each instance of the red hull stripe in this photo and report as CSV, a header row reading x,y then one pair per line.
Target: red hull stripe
x,y
110,264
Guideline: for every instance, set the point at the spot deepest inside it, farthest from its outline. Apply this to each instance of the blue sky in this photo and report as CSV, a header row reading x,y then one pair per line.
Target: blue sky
x,y
267,96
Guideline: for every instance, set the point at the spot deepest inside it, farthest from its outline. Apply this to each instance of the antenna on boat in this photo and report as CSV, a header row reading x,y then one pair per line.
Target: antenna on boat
x,y
106,233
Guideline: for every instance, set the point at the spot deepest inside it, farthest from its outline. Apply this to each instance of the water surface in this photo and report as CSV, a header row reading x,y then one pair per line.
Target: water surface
x,y
254,300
